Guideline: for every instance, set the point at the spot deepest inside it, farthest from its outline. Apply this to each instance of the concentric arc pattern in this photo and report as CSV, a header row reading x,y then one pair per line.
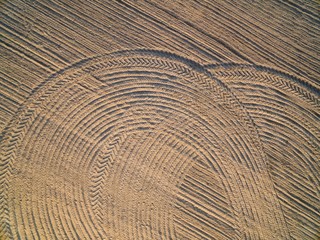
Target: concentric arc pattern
x,y
150,145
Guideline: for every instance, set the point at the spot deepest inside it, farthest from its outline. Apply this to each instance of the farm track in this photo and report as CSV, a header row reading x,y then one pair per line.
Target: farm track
x,y
152,120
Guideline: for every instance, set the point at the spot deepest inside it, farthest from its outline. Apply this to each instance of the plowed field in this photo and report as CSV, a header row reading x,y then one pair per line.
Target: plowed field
x,y
131,120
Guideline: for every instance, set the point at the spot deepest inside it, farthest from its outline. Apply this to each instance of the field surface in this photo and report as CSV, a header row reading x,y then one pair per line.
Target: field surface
x,y
182,120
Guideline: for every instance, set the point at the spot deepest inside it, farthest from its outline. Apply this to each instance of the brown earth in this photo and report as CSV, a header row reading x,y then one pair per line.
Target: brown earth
x,y
160,119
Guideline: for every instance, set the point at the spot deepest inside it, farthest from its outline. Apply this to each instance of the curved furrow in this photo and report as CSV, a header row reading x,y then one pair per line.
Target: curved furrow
x,y
286,112
131,138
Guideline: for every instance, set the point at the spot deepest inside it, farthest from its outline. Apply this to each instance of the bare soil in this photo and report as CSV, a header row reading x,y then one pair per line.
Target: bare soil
x,y
160,120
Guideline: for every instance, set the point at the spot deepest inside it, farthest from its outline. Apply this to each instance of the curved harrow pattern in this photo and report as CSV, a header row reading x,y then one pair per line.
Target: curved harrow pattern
x,y
149,145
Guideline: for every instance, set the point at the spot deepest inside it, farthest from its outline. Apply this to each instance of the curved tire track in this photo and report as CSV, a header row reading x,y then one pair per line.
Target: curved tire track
x,y
149,145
